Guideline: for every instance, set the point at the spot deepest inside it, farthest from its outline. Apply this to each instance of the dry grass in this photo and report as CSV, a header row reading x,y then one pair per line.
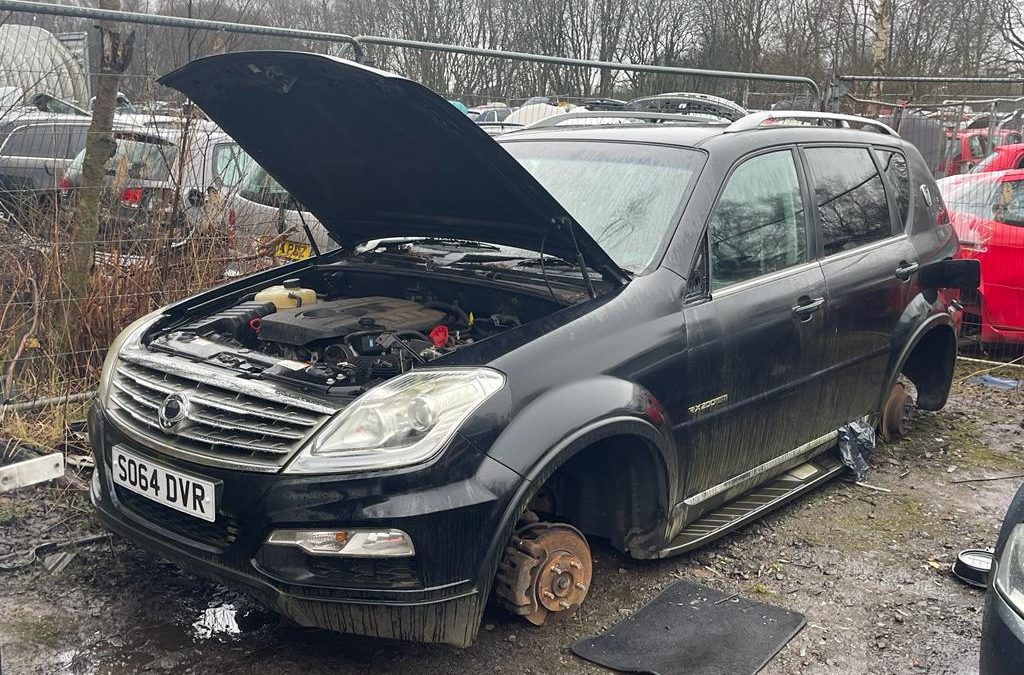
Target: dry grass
x,y
44,350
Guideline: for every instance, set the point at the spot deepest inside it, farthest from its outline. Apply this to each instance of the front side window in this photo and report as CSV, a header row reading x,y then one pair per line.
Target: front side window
x,y
758,224
626,196
978,146
229,162
894,166
850,198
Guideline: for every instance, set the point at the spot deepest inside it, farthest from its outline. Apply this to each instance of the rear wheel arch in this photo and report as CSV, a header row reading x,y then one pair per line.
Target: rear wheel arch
x,y
928,361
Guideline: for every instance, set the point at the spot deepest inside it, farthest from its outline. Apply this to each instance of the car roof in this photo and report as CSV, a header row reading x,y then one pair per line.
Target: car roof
x,y
707,135
24,116
689,135
1008,147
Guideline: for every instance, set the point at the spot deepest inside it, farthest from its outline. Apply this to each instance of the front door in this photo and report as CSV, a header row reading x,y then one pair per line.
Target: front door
x,y
755,337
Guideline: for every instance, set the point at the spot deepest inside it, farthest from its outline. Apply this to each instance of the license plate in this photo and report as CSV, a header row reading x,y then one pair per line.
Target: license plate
x,y
170,487
292,250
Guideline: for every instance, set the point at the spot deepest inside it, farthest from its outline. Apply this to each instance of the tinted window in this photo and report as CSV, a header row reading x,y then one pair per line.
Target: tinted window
x,y
61,141
850,198
625,196
758,224
894,166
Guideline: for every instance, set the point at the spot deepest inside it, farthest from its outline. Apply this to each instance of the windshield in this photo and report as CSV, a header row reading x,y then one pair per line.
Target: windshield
x,y
973,197
625,196
137,159
982,166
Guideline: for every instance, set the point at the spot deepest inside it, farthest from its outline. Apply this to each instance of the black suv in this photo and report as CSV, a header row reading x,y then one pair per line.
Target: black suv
x,y
646,333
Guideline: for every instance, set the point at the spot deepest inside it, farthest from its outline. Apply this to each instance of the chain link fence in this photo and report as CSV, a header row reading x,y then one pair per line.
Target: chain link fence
x,y
971,134
184,208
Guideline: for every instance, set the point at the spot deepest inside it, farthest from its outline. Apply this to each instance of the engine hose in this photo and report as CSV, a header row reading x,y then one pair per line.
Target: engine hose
x,y
451,309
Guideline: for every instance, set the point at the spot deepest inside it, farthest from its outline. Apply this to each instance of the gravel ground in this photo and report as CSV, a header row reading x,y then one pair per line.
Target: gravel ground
x,y
869,568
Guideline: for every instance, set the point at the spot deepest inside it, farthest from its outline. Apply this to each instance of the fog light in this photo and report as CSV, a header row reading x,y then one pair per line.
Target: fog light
x,y
354,543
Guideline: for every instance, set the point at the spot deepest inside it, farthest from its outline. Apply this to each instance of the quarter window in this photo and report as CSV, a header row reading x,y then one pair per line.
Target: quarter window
x,y
758,224
850,198
894,166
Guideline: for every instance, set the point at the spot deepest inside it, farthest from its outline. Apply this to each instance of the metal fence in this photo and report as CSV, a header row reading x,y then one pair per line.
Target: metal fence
x,y
214,214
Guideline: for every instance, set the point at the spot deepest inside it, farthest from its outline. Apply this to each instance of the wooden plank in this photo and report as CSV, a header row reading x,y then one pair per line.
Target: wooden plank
x,y
31,471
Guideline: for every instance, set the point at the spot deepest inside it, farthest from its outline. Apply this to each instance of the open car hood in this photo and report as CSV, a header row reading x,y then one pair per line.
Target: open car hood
x,y
374,155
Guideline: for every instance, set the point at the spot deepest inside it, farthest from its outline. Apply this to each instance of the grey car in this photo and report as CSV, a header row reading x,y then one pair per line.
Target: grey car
x,y
35,150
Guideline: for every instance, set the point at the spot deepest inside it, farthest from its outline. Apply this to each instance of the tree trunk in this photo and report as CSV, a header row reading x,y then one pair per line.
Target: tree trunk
x,y
882,11
115,53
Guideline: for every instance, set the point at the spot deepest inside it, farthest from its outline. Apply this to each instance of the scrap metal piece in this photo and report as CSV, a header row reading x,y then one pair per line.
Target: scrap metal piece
x,y
546,571
31,471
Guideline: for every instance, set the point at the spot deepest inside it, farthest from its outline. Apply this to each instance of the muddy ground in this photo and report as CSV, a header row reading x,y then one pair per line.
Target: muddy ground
x,y
869,568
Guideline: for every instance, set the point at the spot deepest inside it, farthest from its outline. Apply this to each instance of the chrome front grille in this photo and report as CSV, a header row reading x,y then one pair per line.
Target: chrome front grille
x,y
257,430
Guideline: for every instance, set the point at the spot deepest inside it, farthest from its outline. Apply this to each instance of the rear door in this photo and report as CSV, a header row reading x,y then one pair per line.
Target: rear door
x,y
755,334
868,262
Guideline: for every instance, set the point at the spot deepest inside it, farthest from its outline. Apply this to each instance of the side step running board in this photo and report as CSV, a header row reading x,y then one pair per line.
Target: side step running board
x,y
754,504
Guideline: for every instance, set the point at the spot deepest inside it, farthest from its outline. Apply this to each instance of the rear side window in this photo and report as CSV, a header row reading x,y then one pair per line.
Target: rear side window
x,y
61,141
850,198
894,166
758,224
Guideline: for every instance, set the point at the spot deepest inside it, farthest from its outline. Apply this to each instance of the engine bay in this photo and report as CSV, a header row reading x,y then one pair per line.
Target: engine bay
x,y
341,336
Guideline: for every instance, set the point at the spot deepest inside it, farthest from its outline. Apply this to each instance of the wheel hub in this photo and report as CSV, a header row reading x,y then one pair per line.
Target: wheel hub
x,y
546,571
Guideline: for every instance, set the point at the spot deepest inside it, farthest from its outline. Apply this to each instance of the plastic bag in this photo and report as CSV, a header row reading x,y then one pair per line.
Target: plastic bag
x,y
856,441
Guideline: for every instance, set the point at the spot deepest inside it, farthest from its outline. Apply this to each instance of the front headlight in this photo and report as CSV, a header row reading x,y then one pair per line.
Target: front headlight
x,y
406,420
130,337
1010,573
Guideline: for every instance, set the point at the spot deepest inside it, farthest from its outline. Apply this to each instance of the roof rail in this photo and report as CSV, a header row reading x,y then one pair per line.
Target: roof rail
x,y
767,117
639,115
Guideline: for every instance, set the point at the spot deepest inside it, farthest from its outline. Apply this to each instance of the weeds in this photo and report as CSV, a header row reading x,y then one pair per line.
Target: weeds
x,y
143,261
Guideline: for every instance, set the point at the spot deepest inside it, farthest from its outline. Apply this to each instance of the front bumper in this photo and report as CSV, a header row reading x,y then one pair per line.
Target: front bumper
x,y
1002,637
454,510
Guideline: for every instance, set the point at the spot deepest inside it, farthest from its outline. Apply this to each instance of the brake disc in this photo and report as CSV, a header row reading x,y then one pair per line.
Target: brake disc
x,y
895,412
545,572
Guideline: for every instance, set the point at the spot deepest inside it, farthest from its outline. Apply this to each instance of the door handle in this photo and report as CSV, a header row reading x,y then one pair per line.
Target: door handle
x,y
905,270
806,306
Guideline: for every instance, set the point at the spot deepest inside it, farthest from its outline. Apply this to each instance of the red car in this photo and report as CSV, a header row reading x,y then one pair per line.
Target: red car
x,y
964,150
1003,157
970,147
987,210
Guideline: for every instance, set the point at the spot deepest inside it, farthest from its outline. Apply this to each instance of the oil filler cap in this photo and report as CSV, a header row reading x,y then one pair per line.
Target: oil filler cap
x,y
972,566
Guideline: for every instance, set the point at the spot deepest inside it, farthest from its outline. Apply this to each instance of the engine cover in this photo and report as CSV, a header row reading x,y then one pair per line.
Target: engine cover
x,y
337,318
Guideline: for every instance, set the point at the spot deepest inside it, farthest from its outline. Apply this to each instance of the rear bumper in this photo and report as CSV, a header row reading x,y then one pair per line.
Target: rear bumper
x,y
436,596
1002,637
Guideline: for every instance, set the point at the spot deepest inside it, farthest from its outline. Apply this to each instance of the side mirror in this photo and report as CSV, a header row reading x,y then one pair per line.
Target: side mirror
x,y
962,274
196,198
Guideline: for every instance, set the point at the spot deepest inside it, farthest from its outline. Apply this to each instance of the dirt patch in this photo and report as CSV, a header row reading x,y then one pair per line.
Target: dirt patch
x,y
868,568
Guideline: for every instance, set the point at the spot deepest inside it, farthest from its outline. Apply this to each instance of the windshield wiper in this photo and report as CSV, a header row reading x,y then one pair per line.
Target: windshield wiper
x,y
439,242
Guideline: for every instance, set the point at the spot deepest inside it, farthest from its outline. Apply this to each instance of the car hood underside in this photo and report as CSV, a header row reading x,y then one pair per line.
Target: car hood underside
x,y
375,155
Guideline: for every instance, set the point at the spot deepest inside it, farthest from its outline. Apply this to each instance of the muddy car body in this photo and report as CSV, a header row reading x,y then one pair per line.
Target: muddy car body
x,y
612,387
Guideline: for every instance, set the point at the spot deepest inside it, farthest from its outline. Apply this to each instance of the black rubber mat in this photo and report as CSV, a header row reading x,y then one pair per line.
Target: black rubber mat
x,y
684,632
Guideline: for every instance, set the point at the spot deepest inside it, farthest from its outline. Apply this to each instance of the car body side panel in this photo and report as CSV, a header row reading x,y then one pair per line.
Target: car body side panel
x,y
753,372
